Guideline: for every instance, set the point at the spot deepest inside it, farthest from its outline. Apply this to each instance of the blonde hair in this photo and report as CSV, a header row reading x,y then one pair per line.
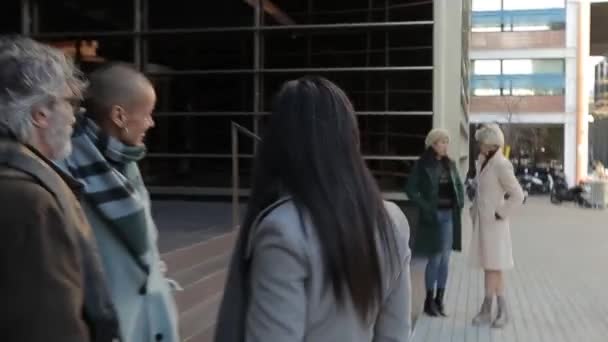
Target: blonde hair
x,y
435,135
490,134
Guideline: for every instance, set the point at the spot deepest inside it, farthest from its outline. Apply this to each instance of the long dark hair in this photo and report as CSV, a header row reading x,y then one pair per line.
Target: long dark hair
x,y
310,151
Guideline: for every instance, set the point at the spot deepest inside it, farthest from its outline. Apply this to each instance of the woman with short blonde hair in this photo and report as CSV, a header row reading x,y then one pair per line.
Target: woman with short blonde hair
x,y
435,187
498,194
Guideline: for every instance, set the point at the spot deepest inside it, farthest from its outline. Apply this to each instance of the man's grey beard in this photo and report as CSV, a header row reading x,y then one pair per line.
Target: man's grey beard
x,y
58,137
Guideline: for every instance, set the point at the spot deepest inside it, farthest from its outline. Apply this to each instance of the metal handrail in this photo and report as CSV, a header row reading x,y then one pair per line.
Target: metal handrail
x,y
235,129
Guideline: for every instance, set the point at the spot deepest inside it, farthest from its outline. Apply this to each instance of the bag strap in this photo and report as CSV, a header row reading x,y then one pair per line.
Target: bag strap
x,y
261,216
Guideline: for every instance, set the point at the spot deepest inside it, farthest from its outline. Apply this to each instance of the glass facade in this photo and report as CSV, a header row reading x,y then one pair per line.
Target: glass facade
x,y
497,5
600,90
214,63
519,20
518,15
518,77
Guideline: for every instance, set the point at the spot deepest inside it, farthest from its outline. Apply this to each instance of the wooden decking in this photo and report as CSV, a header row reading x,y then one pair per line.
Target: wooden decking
x,y
196,241
557,292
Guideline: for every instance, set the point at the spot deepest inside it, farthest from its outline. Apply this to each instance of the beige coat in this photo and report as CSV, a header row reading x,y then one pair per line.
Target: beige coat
x,y
491,239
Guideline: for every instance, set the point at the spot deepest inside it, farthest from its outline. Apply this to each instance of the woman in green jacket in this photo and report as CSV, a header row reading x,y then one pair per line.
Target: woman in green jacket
x,y
435,188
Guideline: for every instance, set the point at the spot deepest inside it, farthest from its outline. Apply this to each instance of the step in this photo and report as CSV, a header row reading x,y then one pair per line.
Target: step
x,y
199,321
188,276
175,239
187,257
206,336
201,290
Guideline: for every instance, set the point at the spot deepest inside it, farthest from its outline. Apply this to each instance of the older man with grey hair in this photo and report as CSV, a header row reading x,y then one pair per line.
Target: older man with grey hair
x,y
50,275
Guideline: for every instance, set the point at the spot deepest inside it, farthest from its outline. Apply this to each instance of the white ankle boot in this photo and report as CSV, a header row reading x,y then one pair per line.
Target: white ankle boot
x,y
485,313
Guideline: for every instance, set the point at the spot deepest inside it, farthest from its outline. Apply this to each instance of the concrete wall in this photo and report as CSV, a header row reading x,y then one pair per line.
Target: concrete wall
x,y
519,105
518,40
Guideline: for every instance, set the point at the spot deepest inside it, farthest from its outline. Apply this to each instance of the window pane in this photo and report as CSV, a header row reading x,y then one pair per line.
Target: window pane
x,y
486,85
538,84
517,67
535,4
538,20
516,91
281,12
486,67
94,51
371,91
391,174
548,66
486,21
486,5
530,66
11,22
87,16
335,48
486,92
196,14
195,172
393,135
486,29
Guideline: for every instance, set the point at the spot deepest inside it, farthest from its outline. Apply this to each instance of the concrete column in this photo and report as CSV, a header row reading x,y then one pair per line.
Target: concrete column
x,y
447,77
571,92
570,149
582,111
571,83
572,23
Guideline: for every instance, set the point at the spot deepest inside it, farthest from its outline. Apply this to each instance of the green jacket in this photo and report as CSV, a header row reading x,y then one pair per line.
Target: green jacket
x,y
423,190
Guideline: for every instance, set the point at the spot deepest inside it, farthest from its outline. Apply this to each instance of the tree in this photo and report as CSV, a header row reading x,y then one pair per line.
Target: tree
x,y
512,106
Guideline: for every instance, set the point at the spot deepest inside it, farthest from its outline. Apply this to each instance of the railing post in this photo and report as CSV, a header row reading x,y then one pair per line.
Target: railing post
x,y
235,129
235,175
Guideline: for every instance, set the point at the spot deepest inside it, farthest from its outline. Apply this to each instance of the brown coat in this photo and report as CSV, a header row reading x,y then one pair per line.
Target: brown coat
x,y
41,266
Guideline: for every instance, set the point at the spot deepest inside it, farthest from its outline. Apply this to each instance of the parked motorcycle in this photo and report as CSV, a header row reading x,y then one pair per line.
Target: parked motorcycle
x,y
536,183
561,193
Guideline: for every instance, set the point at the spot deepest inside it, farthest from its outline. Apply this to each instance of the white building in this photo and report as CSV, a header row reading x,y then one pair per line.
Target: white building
x,y
527,70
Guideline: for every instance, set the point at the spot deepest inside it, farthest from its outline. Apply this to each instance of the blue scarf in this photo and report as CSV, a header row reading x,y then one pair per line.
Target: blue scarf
x,y
112,182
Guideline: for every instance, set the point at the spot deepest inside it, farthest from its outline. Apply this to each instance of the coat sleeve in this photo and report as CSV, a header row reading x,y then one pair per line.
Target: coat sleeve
x,y
277,308
459,187
509,183
393,323
412,189
45,285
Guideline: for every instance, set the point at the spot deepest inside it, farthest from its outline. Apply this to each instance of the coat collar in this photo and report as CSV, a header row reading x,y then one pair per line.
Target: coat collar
x,y
8,143
494,159
249,246
8,140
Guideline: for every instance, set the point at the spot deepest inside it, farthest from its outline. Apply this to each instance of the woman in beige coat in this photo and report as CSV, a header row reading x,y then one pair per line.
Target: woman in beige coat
x,y
498,194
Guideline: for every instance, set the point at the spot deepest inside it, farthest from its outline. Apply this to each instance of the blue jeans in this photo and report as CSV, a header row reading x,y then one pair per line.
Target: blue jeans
x,y
437,266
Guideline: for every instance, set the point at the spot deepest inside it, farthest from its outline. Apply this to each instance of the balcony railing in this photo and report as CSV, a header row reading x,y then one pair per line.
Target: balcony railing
x,y
518,105
551,19
535,84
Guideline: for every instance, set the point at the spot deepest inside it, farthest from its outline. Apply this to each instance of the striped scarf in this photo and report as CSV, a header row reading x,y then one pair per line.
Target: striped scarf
x,y
112,182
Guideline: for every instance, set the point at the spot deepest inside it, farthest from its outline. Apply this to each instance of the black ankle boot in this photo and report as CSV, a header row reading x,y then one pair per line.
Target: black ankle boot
x,y
439,302
430,307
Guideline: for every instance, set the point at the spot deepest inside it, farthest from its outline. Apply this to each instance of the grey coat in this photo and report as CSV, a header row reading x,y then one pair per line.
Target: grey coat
x,y
289,299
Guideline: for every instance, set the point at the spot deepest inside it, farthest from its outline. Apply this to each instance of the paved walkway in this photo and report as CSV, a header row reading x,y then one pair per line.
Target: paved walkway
x,y
558,291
